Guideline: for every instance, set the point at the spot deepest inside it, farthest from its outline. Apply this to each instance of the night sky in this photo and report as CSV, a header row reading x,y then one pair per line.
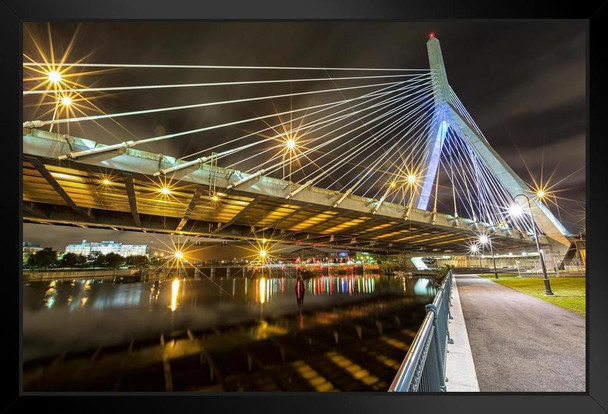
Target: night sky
x,y
523,83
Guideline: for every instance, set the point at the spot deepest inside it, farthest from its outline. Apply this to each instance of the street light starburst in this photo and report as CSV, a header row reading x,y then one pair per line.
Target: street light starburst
x,y
54,77
55,82
66,101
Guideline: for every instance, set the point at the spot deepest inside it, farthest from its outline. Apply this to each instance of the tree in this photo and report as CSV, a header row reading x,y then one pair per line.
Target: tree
x,y
43,258
137,261
98,259
113,260
73,260
108,260
93,256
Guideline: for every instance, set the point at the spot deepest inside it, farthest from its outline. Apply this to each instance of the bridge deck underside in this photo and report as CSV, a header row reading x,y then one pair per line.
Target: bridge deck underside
x,y
88,202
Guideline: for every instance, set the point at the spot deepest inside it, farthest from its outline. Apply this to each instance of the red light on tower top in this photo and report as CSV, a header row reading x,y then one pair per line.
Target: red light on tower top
x,y
431,35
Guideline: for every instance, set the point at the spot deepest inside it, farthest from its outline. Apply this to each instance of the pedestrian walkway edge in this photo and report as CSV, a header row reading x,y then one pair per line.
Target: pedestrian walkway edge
x,y
460,368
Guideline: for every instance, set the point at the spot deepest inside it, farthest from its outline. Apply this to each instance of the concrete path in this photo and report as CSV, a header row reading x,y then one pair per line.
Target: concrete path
x,y
521,343
460,368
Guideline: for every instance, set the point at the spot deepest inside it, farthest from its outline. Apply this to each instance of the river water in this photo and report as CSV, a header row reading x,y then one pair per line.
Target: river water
x,y
62,317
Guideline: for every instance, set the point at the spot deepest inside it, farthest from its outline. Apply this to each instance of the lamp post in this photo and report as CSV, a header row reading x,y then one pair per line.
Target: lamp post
x,y
475,250
483,239
516,210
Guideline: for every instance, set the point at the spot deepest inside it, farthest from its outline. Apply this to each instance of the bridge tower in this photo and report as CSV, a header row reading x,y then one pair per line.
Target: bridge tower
x,y
448,116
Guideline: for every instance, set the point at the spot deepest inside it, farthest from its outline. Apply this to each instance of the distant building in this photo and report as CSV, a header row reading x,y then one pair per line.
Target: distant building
x,y
29,249
104,247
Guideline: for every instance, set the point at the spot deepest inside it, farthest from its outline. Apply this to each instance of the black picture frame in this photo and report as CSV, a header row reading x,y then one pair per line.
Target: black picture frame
x,y
14,12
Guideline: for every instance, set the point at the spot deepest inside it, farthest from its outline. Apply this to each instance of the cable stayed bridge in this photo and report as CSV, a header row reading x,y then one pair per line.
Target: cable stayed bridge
x,y
390,161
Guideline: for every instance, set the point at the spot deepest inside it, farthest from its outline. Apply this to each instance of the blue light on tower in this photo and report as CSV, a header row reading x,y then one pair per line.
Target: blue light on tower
x,y
433,163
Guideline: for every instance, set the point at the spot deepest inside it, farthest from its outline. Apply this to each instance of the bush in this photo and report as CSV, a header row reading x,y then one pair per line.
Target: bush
x,y
440,275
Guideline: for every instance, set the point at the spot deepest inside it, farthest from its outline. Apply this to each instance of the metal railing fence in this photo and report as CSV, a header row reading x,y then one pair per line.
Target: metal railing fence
x,y
423,369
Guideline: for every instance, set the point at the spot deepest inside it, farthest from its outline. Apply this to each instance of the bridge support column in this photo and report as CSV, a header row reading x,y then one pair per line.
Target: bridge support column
x,y
449,116
432,165
437,135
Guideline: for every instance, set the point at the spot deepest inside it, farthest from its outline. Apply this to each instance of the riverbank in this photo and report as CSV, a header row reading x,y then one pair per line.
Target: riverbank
x,y
70,274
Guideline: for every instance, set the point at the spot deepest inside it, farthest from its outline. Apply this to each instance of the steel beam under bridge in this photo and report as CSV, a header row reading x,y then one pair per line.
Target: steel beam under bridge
x,y
309,216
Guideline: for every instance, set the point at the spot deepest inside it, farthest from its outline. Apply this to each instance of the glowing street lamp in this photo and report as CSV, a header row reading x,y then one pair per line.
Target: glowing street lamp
x,y
475,250
484,239
541,194
411,179
516,211
291,143
179,255
66,101
54,77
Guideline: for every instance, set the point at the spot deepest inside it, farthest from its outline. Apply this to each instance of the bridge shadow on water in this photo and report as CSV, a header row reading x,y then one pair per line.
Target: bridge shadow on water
x,y
311,343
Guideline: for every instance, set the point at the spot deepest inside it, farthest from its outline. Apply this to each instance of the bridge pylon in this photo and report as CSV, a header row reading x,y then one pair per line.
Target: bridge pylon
x,y
447,116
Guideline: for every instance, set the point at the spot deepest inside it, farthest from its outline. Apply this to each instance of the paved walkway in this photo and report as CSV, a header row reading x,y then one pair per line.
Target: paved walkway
x,y
460,368
521,343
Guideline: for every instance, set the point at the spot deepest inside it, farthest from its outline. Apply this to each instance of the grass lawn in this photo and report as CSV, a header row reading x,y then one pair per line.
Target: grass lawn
x,y
569,291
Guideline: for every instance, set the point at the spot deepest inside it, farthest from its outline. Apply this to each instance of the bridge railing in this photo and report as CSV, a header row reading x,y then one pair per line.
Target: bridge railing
x,y
423,369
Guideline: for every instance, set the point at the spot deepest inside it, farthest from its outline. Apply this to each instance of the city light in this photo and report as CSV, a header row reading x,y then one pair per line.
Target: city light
x,y
474,249
105,181
178,255
541,194
263,253
66,101
515,210
393,184
291,143
165,190
54,77
215,198
411,179
483,240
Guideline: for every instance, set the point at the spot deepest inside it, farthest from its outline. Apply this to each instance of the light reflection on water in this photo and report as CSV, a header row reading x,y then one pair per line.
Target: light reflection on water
x,y
174,292
189,293
62,314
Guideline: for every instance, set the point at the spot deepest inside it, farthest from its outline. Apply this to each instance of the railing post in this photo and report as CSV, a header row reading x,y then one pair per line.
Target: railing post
x,y
437,339
449,300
